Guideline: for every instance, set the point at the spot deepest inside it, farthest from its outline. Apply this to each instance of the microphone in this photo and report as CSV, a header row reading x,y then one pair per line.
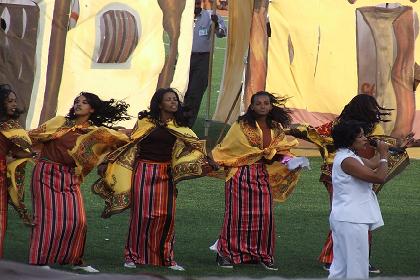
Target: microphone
x,y
392,149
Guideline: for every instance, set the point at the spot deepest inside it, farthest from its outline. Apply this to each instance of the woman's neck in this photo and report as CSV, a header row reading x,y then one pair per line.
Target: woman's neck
x,y
165,116
82,119
5,118
352,149
262,121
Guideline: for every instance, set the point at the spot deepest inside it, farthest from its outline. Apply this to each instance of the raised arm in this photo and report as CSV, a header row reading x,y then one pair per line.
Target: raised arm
x,y
220,27
377,176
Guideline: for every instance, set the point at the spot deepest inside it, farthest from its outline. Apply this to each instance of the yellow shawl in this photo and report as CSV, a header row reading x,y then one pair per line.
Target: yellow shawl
x,y
12,130
90,147
243,145
188,159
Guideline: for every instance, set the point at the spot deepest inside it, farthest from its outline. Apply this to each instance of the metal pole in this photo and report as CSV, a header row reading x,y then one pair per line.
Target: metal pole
x,y
207,121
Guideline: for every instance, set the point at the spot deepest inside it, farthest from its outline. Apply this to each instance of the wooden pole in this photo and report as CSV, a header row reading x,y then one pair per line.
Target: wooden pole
x,y
228,115
212,32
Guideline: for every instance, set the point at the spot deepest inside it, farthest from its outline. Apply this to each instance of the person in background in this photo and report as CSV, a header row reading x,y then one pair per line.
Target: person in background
x,y
257,159
355,209
200,57
71,147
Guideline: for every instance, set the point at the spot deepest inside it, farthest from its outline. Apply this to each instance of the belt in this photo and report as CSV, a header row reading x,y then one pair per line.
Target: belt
x,y
199,53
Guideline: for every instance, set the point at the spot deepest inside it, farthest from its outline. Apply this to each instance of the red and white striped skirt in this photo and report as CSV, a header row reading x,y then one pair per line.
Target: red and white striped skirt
x,y
248,232
151,233
59,233
3,203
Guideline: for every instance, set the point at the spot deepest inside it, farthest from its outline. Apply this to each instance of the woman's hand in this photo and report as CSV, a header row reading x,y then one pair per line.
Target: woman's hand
x,y
406,141
102,169
383,149
212,164
24,154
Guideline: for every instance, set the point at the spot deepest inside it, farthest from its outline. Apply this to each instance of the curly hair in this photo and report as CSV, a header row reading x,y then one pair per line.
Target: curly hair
x,y
106,113
364,108
345,132
279,113
5,91
154,110
5,86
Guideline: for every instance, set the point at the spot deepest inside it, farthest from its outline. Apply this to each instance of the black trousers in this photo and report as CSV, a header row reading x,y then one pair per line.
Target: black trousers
x,y
199,71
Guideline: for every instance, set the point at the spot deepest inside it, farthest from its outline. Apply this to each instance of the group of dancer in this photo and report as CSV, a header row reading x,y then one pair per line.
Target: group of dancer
x,y
140,171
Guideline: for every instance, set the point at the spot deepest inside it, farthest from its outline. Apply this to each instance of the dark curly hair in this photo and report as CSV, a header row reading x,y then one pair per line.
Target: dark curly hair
x,y
106,113
345,132
5,91
5,86
154,110
279,113
364,108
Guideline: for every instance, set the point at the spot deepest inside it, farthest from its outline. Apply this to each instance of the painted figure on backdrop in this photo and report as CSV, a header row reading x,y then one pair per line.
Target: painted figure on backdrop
x,y
15,148
260,168
385,37
355,208
143,174
71,147
200,57
172,14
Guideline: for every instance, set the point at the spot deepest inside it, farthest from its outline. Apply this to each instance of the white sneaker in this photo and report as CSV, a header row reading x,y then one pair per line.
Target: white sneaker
x,y
214,246
130,265
87,268
176,267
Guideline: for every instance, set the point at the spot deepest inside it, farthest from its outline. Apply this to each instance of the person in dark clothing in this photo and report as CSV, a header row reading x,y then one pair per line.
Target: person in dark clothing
x,y
200,57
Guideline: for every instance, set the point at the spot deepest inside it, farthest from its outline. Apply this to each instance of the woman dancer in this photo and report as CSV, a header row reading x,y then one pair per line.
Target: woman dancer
x,y
14,142
161,152
71,148
255,153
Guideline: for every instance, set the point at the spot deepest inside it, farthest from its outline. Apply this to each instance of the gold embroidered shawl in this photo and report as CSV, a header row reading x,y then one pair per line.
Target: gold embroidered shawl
x,y
188,159
55,128
243,145
12,130
397,162
90,148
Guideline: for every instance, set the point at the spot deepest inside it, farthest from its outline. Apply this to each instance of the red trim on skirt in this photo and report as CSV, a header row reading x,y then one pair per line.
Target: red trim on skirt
x,y
248,232
59,234
151,233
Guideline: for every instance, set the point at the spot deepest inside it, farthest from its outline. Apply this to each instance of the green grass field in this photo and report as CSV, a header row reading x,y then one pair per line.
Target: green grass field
x,y
301,222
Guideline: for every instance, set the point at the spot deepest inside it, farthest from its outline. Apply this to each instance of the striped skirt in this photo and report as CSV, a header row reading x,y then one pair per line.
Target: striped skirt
x,y
59,233
248,232
3,203
151,233
326,255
